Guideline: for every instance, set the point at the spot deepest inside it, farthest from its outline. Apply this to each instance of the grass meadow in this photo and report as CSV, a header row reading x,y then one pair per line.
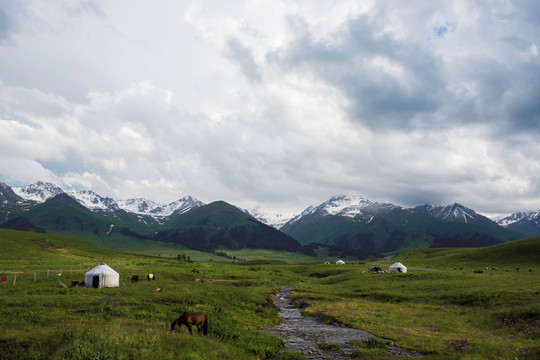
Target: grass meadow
x,y
444,314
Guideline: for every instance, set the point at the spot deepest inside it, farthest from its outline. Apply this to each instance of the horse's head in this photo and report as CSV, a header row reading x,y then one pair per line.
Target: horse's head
x,y
174,325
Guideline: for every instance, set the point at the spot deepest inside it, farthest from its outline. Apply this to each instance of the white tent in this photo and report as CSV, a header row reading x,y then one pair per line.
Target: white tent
x,y
340,262
398,267
102,276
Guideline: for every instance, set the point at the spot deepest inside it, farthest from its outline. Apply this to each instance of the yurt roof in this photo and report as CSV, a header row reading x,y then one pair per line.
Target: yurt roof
x,y
103,269
397,264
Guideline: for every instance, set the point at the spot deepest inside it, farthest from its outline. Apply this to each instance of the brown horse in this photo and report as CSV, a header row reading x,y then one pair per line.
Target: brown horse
x,y
191,318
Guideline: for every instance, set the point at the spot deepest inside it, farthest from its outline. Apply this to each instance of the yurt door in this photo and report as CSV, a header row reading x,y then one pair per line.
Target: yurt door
x,y
95,281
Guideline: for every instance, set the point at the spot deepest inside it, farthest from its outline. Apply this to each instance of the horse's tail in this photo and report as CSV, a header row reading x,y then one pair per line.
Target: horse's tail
x,y
205,326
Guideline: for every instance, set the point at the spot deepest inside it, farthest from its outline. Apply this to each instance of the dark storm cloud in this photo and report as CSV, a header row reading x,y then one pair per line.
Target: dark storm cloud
x,y
522,104
387,83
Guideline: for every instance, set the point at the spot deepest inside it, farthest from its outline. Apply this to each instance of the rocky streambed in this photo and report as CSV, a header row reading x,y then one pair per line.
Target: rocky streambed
x,y
304,334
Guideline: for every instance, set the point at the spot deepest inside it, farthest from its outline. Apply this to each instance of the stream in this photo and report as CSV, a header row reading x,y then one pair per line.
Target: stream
x,y
304,333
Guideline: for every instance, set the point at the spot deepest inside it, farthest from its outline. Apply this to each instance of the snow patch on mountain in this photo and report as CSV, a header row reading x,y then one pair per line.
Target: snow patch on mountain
x,y
139,206
276,220
179,206
39,191
143,206
348,206
357,207
517,217
452,213
93,201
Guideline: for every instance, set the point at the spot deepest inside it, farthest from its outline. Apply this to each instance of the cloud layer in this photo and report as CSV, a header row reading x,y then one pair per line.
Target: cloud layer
x,y
278,104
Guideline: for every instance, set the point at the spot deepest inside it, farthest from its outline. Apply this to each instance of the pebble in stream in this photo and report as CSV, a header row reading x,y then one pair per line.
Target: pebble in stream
x,y
303,333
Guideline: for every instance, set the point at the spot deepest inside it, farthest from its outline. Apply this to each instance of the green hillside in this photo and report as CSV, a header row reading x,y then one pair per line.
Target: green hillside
x,y
523,253
396,231
219,224
21,249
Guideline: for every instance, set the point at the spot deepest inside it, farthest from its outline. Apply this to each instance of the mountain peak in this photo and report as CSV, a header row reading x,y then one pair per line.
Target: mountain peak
x,y
39,191
342,205
143,206
524,222
453,213
93,201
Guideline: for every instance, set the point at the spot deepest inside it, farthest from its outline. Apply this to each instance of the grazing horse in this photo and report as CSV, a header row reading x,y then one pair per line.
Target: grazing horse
x,y
135,278
195,271
191,318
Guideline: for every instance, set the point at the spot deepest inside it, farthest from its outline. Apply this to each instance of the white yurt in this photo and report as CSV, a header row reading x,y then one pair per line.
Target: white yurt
x,y
397,267
340,262
102,276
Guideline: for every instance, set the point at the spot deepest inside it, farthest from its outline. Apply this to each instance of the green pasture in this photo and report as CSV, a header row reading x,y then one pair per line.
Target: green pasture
x,y
441,312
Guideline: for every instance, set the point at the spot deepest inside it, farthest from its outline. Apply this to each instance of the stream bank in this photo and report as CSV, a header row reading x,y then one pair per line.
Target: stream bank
x,y
304,333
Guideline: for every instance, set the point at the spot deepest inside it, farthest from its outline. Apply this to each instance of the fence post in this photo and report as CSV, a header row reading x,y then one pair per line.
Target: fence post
x,y
47,273
34,276
14,279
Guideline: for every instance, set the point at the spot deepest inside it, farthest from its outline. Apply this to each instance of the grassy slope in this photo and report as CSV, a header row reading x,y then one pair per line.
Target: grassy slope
x,y
518,253
497,312
40,320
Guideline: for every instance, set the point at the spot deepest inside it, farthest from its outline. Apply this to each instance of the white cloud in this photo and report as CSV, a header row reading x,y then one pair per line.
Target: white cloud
x,y
276,103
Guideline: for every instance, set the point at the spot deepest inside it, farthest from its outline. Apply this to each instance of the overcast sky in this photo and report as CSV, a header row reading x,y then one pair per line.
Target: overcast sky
x,y
281,104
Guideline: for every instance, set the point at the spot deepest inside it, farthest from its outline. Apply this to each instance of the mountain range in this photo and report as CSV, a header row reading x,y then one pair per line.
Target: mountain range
x,y
346,225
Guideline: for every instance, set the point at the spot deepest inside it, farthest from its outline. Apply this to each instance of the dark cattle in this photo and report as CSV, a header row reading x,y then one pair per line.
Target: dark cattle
x,y
135,278
150,277
478,271
195,271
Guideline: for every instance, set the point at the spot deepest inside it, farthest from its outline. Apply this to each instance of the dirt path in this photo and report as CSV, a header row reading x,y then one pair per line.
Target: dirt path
x,y
303,334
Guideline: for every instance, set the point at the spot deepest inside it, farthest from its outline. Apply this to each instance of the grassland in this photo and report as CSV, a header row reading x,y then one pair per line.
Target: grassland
x,y
445,314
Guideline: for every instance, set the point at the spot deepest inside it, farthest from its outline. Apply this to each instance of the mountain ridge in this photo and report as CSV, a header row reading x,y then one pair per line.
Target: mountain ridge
x,y
348,224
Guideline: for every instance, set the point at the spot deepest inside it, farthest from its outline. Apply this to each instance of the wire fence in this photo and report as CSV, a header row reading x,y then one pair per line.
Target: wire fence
x,y
56,274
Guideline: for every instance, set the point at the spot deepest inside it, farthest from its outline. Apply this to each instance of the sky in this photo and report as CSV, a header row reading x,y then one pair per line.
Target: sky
x,y
275,104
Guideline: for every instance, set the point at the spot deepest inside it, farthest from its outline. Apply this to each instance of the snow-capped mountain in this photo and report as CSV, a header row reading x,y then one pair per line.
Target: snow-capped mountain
x,y
139,206
179,206
93,201
143,206
514,218
349,206
8,196
39,191
355,207
276,220
524,222
453,213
